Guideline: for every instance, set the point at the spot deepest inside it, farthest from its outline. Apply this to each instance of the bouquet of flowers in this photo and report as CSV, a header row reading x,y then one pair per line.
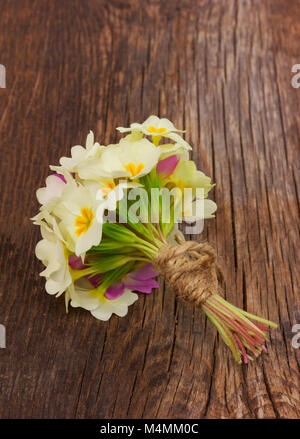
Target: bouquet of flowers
x,y
109,220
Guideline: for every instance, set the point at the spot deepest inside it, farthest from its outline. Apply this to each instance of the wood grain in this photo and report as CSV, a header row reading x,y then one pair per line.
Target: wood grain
x,y
222,71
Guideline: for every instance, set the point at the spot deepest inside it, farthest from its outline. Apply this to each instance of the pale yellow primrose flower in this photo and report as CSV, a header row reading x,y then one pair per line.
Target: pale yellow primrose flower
x,y
53,189
189,180
110,199
106,185
156,127
108,193
79,154
51,251
168,149
76,210
83,296
126,159
48,222
186,175
153,126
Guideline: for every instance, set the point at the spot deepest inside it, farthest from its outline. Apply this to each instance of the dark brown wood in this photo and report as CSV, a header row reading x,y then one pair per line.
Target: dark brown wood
x,y
222,71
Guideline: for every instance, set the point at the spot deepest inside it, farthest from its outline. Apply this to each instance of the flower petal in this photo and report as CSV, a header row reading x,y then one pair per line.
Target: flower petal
x,y
75,262
178,139
114,291
145,272
167,166
53,189
117,306
144,286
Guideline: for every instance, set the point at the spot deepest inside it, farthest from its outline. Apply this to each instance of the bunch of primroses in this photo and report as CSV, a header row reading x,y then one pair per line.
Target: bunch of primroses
x,y
96,262
98,247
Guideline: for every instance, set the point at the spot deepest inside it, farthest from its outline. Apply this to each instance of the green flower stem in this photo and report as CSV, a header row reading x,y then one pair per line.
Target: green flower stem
x,y
156,140
153,230
244,313
141,230
77,274
154,234
226,336
149,245
146,250
137,258
237,315
161,234
236,328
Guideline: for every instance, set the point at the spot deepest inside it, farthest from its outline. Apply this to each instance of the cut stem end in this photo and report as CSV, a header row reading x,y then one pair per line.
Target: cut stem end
x,y
238,329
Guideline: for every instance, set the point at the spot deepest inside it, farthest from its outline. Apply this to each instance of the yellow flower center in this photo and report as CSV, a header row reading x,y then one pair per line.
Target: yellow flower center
x,y
109,187
179,183
84,221
152,129
134,169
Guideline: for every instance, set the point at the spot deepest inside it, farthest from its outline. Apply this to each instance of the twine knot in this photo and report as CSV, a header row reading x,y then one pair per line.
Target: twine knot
x,y
190,269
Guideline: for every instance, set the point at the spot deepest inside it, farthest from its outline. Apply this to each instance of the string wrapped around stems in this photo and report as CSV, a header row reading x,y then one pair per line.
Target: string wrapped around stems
x,y
191,270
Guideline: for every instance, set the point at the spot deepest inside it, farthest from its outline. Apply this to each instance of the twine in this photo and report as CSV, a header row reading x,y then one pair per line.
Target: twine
x,y
190,269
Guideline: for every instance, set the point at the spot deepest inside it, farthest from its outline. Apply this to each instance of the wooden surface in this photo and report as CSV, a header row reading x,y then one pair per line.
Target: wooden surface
x,y
222,71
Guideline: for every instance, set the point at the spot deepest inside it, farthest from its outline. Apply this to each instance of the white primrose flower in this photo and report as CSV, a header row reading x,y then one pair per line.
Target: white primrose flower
x,y
83,296
54,187
79,154
168,149
52,252
117,306
76,211
110,197
126,159
48,222
154,126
